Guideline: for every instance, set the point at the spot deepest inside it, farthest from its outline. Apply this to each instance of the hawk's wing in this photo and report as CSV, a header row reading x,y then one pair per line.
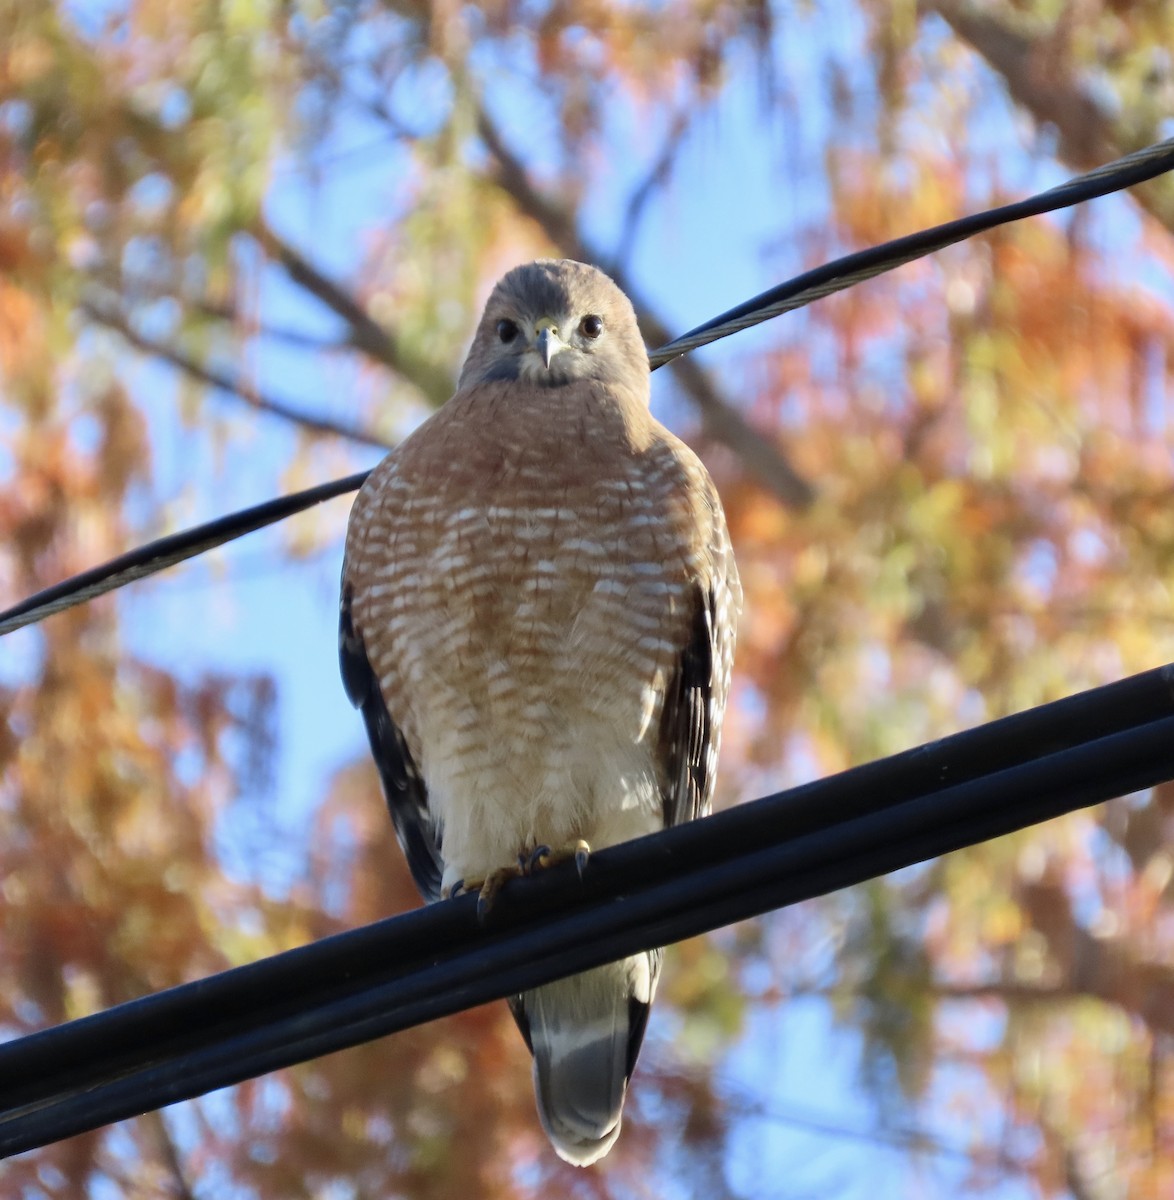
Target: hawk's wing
x,y
695,702
403,786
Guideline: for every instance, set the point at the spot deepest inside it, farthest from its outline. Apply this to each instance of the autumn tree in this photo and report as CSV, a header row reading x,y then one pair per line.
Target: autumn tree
x,y
242,246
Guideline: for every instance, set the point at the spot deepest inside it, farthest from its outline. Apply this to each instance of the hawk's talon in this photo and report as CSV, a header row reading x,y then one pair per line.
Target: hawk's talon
x,y
537,860
493,884
544,857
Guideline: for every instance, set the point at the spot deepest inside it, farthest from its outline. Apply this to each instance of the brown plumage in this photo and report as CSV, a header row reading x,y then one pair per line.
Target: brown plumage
x,y
538,611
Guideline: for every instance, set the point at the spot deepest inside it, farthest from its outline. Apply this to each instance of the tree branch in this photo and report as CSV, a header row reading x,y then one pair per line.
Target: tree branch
x,y
299,339
1040,77
1104,967
1157,1012
723,422
168,1154
655,178
239,388
365,333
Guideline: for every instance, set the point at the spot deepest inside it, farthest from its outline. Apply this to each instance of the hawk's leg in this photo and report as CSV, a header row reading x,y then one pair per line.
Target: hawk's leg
x,y
537,860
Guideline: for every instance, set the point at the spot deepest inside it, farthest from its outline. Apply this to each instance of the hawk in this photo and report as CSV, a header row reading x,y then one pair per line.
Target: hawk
x,y
537,622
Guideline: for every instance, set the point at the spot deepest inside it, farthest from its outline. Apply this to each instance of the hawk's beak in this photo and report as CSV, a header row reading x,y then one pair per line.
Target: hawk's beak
x,y
548,341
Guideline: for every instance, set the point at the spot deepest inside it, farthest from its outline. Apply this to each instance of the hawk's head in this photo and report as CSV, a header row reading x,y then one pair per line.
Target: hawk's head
x,y
554,322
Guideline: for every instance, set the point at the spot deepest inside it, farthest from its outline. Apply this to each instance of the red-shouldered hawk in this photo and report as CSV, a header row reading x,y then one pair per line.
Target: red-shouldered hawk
x,y
538,611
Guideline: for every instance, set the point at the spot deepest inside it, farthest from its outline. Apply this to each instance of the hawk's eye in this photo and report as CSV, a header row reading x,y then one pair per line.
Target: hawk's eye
x,y
507,331
591,327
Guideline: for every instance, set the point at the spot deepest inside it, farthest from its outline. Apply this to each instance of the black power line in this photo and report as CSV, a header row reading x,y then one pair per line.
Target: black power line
x,y
855,268
795,293
745,861
165,552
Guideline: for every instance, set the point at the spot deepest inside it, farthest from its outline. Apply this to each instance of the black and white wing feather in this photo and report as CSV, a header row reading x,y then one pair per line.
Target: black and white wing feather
x,y
695,702
403,786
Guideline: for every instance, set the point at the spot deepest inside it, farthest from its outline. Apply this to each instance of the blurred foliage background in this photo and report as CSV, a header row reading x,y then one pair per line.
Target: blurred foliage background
x,y
949,491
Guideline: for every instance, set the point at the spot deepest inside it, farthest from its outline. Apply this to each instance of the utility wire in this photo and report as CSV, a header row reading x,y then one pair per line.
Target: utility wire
x,y
876,260
165,552
795,293
435,961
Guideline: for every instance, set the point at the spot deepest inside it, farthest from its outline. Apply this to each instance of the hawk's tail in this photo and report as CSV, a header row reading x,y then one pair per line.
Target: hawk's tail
x,y
585,1033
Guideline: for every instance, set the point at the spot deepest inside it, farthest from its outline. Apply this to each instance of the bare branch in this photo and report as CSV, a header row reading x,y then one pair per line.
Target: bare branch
x,y
298,338
655,178
1151,1001
909,1139
1040,75
168,1153
722,421
365,333
239,388
1104,967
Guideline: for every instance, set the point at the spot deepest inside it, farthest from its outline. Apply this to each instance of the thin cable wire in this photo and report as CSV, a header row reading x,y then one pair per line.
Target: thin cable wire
x,y
795,293
861,265
167,551
436,961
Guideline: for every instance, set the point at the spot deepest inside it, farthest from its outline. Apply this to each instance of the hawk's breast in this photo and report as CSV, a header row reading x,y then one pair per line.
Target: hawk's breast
x,y
523,618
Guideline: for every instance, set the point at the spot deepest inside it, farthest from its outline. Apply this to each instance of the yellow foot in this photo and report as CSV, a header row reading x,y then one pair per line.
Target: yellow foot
x,y
544,857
